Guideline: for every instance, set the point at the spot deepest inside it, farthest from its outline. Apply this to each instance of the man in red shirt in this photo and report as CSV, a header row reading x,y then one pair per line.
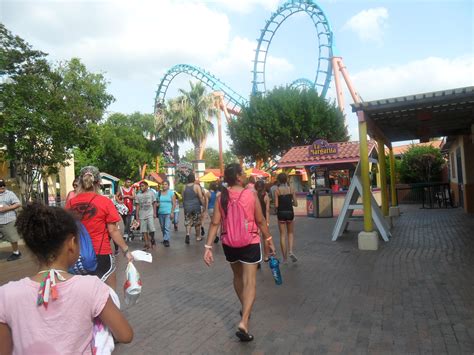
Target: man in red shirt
x,y
126,195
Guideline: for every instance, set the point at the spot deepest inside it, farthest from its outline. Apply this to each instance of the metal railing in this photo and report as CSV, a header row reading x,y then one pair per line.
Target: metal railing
x,y
429,195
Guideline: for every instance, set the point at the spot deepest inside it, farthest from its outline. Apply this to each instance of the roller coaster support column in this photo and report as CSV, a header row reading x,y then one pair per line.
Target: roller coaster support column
x,y
368,239
337,80
383,176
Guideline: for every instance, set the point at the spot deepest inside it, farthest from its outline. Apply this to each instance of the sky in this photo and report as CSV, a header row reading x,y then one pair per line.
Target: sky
x,y
390,48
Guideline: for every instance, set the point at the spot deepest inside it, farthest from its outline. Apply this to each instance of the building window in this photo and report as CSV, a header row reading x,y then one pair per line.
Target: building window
x,y
453,165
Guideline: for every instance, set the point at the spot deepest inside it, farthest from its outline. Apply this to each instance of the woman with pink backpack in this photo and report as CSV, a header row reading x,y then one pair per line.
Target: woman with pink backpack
x,y
240,213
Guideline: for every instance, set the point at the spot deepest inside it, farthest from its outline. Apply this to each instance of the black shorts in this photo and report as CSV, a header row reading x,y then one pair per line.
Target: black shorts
x,y
285,216
105,266
250,254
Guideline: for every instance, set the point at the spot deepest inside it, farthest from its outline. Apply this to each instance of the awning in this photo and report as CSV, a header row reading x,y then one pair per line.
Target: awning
x,y
421,116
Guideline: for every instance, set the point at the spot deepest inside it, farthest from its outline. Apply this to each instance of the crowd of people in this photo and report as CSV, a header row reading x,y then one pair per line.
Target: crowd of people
x,y
239,211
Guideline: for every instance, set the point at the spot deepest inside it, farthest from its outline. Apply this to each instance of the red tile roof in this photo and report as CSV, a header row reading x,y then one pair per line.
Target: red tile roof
x,y
347,152
401,149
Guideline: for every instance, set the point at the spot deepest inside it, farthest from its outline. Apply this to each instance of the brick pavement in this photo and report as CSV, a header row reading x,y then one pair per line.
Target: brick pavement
x,y
412,296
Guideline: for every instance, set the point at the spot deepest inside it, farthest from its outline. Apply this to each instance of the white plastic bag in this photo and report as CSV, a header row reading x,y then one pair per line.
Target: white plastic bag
x,y
133,285
102,337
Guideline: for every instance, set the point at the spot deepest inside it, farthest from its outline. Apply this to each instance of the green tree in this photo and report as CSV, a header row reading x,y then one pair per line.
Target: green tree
x,y
211,157
421,164
200,107
46,109
124,144
284,117
170,123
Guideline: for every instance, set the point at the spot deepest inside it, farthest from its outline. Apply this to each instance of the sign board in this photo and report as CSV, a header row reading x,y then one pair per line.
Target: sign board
x,y
321,147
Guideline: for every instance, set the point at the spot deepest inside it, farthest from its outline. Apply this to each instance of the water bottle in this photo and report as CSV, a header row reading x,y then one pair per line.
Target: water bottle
x,y
275,267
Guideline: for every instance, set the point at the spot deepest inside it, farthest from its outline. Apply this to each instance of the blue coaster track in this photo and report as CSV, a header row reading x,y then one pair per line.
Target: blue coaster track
x,y
235,101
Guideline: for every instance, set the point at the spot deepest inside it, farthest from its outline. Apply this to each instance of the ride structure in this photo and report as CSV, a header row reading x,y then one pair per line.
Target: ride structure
x,y
234,101
328,63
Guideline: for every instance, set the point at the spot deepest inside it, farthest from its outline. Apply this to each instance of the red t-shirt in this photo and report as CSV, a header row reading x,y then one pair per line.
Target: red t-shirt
x,y
97,211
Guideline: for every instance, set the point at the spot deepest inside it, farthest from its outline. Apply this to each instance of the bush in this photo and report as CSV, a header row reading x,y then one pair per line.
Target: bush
x,y
421,164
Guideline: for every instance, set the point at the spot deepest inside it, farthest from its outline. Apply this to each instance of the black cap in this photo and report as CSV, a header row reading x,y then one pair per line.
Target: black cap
x,y
2,183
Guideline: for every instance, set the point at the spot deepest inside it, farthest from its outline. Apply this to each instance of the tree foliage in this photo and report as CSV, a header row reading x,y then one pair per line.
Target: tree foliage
x,y
211,157
46,109
421,164
283,118
199,107
123,144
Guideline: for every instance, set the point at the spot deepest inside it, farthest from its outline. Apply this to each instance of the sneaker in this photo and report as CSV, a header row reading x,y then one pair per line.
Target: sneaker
x,y
166,243
202,231
216,240
186,240
293,257
175,227
14,257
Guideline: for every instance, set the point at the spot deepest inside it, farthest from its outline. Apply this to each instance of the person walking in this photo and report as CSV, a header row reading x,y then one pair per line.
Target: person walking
x,y
166,206
285,199
73,192
100,218
9,202
145,203
240,215
126,195
193,199
52,311
212,198
264,201
177,197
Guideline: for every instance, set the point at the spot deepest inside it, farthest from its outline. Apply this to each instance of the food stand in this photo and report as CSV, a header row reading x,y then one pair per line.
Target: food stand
x,y
324,165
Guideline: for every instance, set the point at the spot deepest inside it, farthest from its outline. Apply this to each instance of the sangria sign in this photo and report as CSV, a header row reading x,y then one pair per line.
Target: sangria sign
x,y
321,147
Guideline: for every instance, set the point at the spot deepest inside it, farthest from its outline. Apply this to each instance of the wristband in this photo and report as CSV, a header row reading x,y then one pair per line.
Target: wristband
x,y
208,246
125,252
269,238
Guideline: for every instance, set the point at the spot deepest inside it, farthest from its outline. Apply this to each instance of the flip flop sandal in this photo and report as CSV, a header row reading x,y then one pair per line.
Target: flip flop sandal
x,y
243,335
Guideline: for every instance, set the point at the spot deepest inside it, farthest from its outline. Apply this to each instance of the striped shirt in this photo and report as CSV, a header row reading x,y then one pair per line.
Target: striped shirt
x,y
8,198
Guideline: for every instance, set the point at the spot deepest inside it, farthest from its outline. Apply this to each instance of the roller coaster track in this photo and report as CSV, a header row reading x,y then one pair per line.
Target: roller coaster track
x,y
233,100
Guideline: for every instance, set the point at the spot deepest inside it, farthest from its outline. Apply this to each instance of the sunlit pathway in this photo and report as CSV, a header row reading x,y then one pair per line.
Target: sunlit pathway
x,y
413,295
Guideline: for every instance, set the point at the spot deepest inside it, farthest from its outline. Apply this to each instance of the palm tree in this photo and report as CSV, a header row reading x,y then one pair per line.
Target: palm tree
x,y
170,123
200,107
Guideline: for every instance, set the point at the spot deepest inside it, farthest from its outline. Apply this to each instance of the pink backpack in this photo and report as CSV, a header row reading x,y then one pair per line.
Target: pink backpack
x,y
237,229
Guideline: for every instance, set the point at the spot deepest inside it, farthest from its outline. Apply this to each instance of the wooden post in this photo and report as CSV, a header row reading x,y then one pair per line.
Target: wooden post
x,y
364,164
392,179
383,176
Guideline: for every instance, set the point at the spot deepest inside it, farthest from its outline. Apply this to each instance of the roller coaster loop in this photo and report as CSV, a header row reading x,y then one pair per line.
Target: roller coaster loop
x,y
233,100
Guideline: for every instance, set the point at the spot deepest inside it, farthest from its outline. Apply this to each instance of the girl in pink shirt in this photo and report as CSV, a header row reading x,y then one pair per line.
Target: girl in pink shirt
x,y
53,311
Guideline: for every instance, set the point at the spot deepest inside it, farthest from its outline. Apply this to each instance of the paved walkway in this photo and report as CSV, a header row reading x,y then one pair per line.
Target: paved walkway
x,y
414,295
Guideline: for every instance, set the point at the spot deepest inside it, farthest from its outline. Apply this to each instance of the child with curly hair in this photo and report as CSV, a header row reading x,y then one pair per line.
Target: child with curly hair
x,y
52,312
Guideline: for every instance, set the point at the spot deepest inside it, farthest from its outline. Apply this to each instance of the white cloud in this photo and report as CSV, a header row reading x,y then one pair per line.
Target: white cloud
x,y
369,25
122,37
245,6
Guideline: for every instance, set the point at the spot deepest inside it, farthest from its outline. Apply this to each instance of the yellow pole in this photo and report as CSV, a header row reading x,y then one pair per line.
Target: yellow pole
x,y
364,164
383,176
392,179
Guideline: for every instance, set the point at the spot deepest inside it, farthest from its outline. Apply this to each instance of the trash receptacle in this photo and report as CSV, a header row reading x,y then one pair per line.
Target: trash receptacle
x,y
309,205
323,203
